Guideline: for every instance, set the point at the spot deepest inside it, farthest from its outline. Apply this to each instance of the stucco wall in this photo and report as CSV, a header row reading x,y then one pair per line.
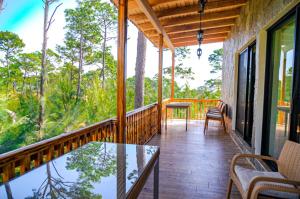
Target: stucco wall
x,y
255,17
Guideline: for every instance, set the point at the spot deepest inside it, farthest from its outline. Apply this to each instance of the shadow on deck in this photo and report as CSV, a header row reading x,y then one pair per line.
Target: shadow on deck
x,y
193,165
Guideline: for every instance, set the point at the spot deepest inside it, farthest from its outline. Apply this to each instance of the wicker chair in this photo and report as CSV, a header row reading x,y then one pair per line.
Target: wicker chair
x,y
216,116
252,183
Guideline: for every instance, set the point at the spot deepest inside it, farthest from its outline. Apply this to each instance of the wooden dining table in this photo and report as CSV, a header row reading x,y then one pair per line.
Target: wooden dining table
x,y
178,105
95,170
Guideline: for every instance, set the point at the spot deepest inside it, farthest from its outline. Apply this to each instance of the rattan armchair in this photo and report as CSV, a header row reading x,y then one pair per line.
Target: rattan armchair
x,y
282,184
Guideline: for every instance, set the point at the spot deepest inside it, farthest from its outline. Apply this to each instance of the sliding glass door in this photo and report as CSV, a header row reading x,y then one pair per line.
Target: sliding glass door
x,y
241,94
281,108
245,96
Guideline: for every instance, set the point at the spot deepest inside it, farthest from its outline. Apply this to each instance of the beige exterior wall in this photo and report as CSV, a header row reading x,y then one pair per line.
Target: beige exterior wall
x,y
256,17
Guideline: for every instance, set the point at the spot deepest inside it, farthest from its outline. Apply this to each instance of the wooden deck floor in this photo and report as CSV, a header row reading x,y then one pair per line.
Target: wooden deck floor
x,y
193,165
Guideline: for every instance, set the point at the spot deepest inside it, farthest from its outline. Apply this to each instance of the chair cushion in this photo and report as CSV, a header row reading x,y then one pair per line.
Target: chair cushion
x,y
245,175
214,115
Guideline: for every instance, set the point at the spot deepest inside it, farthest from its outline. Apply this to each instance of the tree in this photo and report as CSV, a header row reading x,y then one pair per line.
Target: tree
x,y
216,60
212,87
106,20
184,73
140,70
10,45
82,35
43,80
29,63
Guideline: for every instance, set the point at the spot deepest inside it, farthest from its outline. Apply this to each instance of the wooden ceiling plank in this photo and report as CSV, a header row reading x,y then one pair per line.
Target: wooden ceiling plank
x,y
193,38
148,11
192,43
230,14
220,35
192,9
213,31
194,27
204,26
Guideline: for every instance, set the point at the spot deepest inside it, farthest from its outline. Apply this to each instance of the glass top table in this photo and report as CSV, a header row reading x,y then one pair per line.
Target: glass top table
x,y
95,170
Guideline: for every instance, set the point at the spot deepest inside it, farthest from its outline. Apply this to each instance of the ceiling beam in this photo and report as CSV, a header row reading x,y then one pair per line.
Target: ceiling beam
x,y
204,26
193,38
170,22
188,39
194,27
212,31
192,43
214,6
132,4
146,8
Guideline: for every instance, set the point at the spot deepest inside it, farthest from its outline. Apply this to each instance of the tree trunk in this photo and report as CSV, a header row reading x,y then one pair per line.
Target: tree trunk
x,y
24,79
8,74
80,68
140,70
43,72
103,58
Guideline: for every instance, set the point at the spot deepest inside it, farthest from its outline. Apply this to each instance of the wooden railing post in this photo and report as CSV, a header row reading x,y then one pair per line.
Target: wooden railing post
x,y
159,96
173,76
121,71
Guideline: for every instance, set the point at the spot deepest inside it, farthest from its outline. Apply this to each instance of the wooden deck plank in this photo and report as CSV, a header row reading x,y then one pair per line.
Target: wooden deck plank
x,y
193,165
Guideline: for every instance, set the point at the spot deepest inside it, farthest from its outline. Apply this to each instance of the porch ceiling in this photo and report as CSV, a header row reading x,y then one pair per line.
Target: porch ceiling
x,y
178,20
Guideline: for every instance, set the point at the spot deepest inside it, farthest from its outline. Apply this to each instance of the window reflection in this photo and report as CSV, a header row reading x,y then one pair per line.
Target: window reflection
x,y
283,57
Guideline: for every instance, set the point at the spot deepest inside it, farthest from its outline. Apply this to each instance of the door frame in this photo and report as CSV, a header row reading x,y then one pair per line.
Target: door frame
x,y
269,79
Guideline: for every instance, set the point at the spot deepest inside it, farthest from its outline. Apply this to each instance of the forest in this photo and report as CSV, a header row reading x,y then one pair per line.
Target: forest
x,y
53,91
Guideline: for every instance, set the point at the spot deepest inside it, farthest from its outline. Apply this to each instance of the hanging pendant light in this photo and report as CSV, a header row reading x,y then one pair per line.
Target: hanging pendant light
x,y
201,4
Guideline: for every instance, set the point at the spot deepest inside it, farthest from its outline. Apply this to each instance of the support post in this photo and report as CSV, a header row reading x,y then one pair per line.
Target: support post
x,y
121,71
159,96
173,76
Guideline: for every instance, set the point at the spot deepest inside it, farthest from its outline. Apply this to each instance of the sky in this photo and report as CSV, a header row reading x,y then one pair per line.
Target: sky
x,y
25,18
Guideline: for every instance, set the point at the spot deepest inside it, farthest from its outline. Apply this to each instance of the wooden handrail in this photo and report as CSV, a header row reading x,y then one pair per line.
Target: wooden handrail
x,y
140,109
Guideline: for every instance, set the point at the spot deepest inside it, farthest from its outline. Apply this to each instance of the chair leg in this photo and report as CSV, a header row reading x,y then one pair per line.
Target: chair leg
x,y
229,188
205,125
224,125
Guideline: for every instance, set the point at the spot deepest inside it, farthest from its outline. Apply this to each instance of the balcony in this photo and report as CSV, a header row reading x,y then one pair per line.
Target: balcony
x,y
194,165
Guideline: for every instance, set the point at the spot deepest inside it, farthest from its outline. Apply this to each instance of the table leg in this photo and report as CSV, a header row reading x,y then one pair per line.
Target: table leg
x,y
187,114
156,180
166,118
285,122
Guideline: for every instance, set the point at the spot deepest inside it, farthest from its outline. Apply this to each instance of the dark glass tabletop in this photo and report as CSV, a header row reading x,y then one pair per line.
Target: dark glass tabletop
x,y
96,170
178,105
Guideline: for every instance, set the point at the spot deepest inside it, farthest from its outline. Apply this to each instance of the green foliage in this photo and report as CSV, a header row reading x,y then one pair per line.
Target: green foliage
x,y
212,87
216,60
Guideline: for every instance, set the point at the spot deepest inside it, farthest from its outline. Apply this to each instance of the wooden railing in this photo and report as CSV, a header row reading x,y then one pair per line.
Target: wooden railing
x,y
197,110
141,126
19,161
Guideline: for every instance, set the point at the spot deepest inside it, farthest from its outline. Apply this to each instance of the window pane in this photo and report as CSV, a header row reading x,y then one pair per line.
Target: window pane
x,y
282,62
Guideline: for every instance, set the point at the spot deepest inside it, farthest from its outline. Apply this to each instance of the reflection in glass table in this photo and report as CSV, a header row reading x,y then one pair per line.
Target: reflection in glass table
x,y
96,170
